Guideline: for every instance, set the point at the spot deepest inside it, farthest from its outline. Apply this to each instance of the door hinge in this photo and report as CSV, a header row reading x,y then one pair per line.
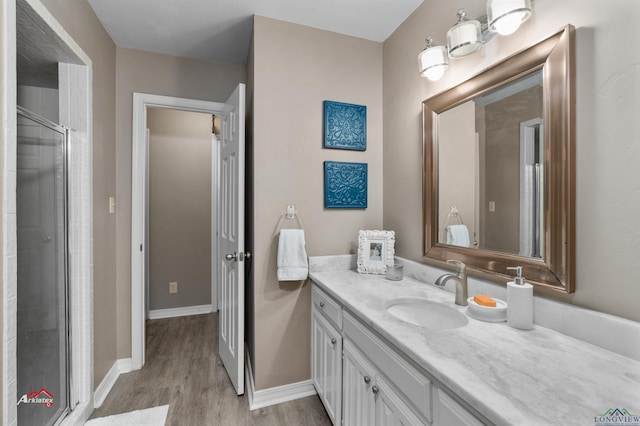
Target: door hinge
x,y
140,247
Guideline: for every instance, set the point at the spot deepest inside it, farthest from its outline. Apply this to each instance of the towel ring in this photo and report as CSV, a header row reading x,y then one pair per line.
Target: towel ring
x,y
282,218
454,215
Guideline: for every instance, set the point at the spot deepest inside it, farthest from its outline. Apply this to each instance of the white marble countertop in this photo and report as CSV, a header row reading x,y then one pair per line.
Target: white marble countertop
x,y
512,377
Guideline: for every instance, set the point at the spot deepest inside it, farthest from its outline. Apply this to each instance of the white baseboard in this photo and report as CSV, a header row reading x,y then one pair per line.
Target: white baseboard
x,y
277,395
119,367
124,365
180,312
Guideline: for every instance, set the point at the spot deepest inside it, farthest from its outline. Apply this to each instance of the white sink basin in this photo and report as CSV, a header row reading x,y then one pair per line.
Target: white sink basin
x,y
427,314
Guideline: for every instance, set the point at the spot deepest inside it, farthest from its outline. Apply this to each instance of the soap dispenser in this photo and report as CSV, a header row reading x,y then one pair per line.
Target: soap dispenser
x,y
519,302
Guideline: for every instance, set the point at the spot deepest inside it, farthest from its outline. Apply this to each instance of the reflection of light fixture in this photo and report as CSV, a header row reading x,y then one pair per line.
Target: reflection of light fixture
x,y
465,37
505,16
433,61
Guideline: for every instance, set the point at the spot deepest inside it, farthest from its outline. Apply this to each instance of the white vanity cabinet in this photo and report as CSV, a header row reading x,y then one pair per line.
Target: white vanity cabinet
x,y
368,399
326,355
363,381
396,392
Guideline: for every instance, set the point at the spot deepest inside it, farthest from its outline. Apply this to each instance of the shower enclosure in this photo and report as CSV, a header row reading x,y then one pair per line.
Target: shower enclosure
x,y
42,295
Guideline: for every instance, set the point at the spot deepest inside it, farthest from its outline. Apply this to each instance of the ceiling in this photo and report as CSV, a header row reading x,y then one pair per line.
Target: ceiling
x,y
220,30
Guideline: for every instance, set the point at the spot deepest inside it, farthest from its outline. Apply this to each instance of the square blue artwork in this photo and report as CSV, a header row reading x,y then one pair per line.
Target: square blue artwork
x,y
345,185
345,126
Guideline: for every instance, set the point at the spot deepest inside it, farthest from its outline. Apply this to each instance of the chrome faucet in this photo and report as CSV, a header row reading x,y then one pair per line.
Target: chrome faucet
x,y
460,278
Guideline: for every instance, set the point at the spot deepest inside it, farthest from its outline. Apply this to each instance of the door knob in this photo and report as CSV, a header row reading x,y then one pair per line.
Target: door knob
x,y
231,256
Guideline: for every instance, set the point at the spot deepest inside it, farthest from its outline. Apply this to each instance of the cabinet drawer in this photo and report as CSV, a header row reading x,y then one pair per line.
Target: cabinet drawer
x,y
325,304
414,386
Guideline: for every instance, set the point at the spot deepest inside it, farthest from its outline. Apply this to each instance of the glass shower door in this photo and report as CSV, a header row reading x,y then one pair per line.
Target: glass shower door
x,y
42,341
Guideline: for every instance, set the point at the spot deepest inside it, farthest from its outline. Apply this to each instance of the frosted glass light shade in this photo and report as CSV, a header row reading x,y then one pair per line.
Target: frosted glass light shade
x,y
464,38
506,16
433,62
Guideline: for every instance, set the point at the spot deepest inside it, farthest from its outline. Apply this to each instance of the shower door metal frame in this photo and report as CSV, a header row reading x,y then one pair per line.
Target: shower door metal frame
x,y
65,235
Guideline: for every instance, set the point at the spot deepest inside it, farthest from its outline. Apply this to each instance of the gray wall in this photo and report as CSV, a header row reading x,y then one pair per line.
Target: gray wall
x,y
180,146
296,68
607,152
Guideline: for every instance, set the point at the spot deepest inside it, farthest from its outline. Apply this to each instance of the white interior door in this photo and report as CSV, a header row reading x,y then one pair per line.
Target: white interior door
x,y
231,238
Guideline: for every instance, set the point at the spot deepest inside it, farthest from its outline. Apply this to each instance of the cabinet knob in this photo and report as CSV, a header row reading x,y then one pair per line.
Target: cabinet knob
x,y
367,379
322,304
333,341
375,389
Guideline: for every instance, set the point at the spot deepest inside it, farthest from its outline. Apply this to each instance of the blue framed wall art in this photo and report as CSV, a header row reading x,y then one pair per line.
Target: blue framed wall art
x,y
345,185
345,126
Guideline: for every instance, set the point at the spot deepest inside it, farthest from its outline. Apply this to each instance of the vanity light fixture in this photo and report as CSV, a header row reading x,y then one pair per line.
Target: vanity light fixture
x,y
505,16
465,37
433,61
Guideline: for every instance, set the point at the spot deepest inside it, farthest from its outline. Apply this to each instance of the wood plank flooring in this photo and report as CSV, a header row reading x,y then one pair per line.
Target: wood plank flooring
x,y
183,370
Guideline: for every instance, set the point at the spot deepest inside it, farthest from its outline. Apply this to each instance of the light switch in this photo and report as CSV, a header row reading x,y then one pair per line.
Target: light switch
x,y
112,205
173,287
492,206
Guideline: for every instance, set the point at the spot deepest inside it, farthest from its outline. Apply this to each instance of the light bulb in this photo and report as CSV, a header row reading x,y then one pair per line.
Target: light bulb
x,y
509,24
505,16
433,61
435,73
464,38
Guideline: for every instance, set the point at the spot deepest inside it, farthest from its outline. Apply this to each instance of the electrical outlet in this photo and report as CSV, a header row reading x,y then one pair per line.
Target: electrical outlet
x,y
492,206
173,287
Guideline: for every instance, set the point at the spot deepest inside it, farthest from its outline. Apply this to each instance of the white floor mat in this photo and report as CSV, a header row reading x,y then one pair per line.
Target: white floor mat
x,y
155,416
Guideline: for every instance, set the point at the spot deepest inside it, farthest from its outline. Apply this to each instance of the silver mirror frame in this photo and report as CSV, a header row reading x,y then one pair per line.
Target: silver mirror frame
x,y
555,55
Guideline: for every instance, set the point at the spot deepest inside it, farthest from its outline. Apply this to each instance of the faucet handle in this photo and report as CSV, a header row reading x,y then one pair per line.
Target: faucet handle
x,y
461,268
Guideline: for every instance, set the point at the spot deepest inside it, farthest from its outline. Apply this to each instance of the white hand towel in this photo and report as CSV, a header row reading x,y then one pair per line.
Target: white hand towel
x,y
293,264
458,235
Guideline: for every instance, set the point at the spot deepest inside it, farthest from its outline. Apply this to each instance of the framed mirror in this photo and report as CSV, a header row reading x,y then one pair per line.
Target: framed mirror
x,y
499,167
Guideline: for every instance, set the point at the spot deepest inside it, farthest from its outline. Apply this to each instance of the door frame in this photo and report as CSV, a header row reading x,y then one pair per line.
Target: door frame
x,y
142,101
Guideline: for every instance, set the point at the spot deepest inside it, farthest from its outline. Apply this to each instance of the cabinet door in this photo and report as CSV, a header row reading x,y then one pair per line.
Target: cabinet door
x,y
449,413
390,408
326,365
357,380
317,364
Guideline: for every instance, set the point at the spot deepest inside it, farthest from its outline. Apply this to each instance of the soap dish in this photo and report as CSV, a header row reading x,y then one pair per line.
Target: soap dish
x,y
488,313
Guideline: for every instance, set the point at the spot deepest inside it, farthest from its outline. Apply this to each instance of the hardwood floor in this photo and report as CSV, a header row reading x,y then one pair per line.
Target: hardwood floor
x,y
183,370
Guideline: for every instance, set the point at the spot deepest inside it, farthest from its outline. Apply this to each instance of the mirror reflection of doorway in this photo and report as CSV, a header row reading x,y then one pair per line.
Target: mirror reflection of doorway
x,y
531,188
42,297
